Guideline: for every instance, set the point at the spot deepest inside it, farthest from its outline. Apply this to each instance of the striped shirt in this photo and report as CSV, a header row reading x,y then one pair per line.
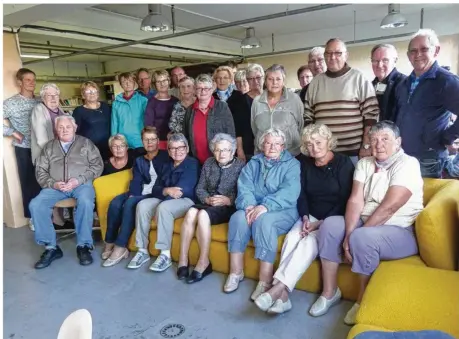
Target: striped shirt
x,y
346,104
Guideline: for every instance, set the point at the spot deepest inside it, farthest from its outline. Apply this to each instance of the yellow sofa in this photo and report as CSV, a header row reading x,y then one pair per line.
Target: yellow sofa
x,y
435,228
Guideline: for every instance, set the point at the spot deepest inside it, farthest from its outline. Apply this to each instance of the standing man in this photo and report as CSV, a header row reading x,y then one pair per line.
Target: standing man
x,y
424,103
17,111
383,60
144,82
345,101
316,63
177,73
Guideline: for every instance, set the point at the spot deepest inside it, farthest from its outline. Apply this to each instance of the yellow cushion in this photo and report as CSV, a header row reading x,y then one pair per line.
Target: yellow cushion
x,y
361,328
411,298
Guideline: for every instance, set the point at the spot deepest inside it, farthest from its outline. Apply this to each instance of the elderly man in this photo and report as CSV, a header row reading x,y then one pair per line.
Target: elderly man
x,y
177,73
143,76
316,65
65,169
383,60
424,103
345,101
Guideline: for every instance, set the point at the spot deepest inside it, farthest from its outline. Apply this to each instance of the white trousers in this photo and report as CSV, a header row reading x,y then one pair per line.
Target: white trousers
x,y
297,255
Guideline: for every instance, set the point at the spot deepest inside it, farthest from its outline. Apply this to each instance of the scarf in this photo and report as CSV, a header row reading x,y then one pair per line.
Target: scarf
x,y
224,95
386,164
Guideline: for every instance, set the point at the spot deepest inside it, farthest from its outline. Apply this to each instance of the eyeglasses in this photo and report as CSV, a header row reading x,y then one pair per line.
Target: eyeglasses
x,y
220,151
177,149
162,82
118,147
203,89
150,140
422,50
91,91
336,54
385,61
257,79
273,144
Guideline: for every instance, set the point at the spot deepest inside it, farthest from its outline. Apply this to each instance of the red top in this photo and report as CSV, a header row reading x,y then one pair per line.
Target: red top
x,y
127,98
200,131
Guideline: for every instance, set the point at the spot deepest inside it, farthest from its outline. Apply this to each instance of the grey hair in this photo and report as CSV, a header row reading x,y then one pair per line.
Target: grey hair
x,y
255,68
47,86
204,79
317,51
119,137
385,124
219,137
275,68
388,46
65,116
240,75
274,132
430,34
177,137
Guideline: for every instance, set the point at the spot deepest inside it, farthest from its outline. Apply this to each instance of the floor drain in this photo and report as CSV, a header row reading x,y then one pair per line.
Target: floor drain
x,y
172,331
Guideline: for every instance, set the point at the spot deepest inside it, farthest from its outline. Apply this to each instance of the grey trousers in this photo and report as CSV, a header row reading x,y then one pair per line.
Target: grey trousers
x,y
166,211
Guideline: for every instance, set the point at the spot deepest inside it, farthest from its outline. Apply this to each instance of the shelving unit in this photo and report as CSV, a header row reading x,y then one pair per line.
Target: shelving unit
x,y
112,89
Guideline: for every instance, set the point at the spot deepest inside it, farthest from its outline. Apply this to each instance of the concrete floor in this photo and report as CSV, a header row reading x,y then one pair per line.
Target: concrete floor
x,y
138,304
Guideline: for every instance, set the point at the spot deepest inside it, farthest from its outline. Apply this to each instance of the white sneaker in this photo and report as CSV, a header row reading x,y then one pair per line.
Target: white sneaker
x,y
31,226
261,288
232,282
351,315
280,307
264,301
322,304
139,259
162,263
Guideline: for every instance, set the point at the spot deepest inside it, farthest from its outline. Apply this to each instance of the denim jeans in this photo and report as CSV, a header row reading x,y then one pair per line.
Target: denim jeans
x,y
41,209
404,335
121,218
432,164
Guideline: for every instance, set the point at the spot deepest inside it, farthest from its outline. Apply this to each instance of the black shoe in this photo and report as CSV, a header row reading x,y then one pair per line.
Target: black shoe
x,y
48,257
183,272
196,276
84,254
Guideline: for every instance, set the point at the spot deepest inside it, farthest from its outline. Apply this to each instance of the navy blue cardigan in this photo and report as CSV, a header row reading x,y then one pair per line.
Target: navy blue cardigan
x,y
141,171
185,176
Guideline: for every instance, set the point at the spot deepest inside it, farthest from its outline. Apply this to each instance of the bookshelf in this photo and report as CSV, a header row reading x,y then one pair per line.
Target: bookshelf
x,y
112,89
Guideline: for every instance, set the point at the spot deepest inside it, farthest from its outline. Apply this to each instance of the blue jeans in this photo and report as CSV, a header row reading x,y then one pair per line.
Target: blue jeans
x,y
432,163
41,209
404,335
121,218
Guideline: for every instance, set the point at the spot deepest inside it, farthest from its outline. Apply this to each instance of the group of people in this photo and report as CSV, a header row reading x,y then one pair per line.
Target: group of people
x,y
242,148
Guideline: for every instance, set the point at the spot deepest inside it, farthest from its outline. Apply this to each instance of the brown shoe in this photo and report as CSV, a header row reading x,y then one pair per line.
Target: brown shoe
x,y
108,249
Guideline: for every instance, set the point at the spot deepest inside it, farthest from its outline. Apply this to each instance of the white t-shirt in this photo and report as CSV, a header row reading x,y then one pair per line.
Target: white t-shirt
x,y
404,172
147,187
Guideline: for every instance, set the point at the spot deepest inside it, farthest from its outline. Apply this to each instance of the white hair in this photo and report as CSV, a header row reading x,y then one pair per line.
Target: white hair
x,y
255,68
63,117
277,68
240,75
429,34
204,79
219,137
388,46
47,86
316,51
177,137
274,132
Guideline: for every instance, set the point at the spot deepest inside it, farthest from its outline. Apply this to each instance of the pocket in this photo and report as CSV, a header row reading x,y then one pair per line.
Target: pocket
x,y
431,167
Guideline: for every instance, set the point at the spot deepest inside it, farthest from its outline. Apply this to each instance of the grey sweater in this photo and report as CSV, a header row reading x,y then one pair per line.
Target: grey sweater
x,y
82,161
218,180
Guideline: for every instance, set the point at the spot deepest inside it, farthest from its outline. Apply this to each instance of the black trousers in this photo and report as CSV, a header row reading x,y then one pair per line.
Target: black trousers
x,y
29,185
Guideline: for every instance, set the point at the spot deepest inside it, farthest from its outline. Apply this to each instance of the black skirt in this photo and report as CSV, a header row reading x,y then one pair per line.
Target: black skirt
x,y
217,214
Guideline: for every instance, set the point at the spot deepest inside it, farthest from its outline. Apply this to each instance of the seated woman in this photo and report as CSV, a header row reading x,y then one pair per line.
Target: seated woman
x,y
268,189
121,159
121,212
172,196
216,192
386,198
326,183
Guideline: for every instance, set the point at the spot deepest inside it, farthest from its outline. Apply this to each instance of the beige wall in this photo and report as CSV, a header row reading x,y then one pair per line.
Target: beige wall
x,y
13,213
359,57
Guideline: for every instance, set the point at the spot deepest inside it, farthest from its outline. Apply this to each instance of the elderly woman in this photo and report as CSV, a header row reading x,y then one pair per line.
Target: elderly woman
x,y
278,108
121,212
43,118
223,77
216,192
206,114
241,105
316,203
159,108
172,196
94,118
268,189
187,98
121,159
386,198
240,81
127,113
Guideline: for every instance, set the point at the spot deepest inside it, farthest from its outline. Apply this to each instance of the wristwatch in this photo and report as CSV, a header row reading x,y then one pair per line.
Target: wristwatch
x,y
366,146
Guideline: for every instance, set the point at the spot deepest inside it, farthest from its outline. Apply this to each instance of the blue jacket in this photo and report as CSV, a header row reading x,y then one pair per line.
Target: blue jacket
x,y
141,171
423,118
277,188
386,101
127,118
185,176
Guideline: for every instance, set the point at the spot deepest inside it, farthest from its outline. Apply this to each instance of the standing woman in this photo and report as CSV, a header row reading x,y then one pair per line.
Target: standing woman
x,y
159,107
278,108
94,118
223,77
241,106
187,98
127,113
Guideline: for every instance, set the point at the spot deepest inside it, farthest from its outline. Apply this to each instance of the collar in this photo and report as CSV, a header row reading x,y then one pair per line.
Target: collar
x,y
127,98
211,103
339,73
430,74
67,142
227,165
388,78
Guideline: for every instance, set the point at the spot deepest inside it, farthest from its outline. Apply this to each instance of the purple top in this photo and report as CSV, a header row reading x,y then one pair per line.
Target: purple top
x,y
53,115
158,114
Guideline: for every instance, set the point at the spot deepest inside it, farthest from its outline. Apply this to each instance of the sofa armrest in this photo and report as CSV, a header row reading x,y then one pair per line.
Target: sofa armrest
x,y
437,226
106,188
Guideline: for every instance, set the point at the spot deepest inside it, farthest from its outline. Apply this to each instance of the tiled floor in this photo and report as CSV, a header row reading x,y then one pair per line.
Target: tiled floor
x,y
137,304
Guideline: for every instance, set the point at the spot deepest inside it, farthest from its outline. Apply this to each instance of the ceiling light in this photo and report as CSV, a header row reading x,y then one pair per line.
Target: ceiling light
x,y
394,19
250,40
155,21
34,56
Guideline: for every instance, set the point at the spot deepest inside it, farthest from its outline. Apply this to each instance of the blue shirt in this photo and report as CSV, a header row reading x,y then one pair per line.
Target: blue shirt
x,y
149,94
